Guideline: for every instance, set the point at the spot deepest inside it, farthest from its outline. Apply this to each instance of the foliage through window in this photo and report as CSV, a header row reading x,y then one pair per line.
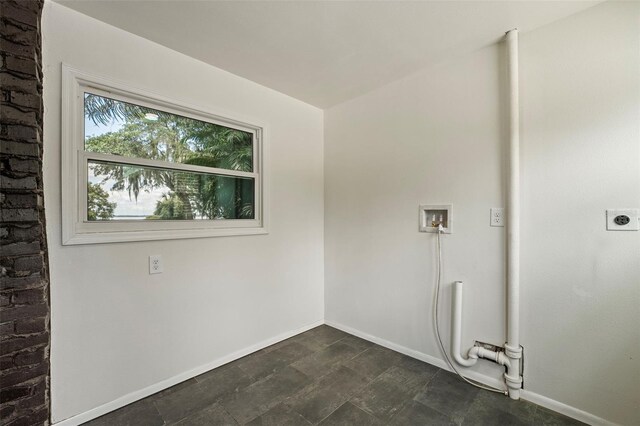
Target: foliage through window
x,y
118,191
136,166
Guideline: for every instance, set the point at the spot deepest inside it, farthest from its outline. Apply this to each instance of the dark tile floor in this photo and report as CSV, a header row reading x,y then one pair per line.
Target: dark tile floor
x,y
328,377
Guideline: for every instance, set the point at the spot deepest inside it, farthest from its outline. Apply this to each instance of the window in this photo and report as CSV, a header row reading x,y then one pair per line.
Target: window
x,y
139,167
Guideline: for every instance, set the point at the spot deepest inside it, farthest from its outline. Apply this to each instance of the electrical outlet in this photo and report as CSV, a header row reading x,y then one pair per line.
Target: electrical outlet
x,y
497,216
155,264
623,220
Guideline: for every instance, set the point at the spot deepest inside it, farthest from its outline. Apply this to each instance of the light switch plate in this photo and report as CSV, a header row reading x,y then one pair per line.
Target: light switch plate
x,y
621,223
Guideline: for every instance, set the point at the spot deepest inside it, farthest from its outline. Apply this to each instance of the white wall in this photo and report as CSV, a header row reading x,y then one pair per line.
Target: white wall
x,y
439,137
116,329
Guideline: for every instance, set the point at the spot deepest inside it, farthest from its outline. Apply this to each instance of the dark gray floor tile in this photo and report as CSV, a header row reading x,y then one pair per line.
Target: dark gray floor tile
x,y
174,388
448,394
279,416
258,398
326,360
214,415
310,377
390,391
223,380
414,414
357,342
412,374
184,402
191,397
262,364
320,337
281,344
545,417
521,409
316,339
140,413
349,415
321,398
416,366
381,398
374,361
309,342
326,334
481,414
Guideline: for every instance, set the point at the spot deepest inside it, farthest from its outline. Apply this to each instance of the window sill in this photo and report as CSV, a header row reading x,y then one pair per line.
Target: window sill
x,y
169,234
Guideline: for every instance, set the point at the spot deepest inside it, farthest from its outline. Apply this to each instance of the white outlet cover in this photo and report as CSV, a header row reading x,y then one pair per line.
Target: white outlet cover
x,y
155,264
497,217
633,214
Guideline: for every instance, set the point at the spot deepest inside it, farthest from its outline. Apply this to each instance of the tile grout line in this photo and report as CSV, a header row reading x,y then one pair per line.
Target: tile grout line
x,y
364,386
164,421
404,404
231,415
340,364
337,408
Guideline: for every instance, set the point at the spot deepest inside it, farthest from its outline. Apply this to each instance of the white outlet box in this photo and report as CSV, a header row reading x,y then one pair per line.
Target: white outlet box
x,y
623,220
155,264
432,215
497,216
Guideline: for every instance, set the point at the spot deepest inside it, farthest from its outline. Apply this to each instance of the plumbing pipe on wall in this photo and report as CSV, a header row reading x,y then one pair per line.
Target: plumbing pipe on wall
x,y
513,350
512,354
475,352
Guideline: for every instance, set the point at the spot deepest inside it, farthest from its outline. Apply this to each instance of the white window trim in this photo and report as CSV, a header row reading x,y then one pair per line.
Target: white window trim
x,y
77,230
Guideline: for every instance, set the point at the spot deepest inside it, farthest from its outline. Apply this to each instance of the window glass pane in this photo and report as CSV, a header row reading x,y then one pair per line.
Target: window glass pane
x,y
126,192
121,128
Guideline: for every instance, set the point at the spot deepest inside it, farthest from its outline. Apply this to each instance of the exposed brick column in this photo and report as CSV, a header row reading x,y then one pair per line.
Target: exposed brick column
x,y
24,289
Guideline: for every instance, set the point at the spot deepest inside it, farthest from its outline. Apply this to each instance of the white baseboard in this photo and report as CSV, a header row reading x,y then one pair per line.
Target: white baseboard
x,y
565,409
150,390
533,397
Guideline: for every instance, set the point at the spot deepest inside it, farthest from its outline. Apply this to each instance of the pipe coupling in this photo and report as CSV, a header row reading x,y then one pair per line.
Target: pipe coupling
x,y
513,382
513,352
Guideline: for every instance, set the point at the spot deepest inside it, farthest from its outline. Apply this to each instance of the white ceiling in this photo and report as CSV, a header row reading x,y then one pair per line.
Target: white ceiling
x,y
324,52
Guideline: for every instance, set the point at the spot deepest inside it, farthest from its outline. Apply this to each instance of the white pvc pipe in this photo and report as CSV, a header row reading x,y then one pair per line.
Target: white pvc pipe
x,y
456,327
513,351
512,346
456,332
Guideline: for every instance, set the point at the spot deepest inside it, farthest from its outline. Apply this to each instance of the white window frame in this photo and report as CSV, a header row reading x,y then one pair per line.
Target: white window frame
x,y
76,229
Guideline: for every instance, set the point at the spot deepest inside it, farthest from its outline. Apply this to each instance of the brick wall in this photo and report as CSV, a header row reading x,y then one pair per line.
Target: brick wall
x,y
24,290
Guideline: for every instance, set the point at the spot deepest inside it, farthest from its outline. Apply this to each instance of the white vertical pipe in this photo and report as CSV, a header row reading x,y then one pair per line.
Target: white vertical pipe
x,y
512,346
456,327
